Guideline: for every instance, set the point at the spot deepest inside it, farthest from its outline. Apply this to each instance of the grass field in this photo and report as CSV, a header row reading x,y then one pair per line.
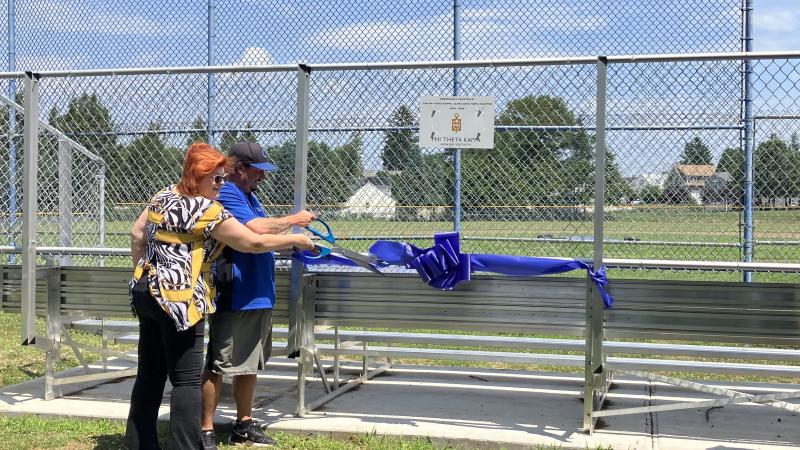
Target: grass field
x,y
699,234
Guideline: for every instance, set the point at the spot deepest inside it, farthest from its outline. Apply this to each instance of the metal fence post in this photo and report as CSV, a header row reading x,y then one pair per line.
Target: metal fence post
x,y
456,92
210,44
65,217
101,211
747,98
594,375
12,119
300,181
53,330
30,206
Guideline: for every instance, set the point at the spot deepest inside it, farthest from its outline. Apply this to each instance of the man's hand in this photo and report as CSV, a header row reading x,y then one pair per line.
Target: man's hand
x,y
303,218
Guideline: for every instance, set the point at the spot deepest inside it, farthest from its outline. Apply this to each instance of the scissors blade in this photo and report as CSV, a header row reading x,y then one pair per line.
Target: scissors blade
x,y
366,261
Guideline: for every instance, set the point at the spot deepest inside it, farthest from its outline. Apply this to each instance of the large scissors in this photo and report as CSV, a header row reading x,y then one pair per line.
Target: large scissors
x,y
366,261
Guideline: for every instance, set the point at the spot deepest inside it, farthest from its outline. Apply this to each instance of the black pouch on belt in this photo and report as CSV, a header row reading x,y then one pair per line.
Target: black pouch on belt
x,y
223,279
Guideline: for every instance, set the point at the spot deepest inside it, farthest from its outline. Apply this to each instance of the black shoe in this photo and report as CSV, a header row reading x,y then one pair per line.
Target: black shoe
x,y
248,433
209,440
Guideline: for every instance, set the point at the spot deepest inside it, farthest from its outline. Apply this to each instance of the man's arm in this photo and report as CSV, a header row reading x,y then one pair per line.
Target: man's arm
x,y
278,225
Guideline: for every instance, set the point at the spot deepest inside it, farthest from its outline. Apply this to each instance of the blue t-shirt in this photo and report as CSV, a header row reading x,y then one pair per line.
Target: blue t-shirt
x,y
253,273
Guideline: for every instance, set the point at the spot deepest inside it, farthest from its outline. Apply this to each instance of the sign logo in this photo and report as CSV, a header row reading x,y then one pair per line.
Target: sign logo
x,y
455,124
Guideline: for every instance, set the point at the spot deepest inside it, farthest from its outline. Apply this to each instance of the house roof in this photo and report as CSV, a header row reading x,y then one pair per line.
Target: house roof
x,y
724,176
696,170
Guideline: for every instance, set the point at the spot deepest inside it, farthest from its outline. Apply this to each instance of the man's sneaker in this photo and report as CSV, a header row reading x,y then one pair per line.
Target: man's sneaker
x,y
248,433
209,440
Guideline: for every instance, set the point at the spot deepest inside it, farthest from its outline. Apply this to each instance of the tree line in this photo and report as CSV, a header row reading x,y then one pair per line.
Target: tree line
x,y
543,169
776,174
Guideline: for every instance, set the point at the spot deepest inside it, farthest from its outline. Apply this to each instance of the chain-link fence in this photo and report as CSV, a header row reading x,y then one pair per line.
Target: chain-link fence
x,y
113,142
75,34
674,181
11,172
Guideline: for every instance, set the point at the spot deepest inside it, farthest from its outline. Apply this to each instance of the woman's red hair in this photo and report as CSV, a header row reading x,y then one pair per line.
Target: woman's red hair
x,y
201,161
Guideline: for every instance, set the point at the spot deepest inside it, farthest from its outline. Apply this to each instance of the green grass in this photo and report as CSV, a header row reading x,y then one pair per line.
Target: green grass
x,y
672,233
30,432
21,363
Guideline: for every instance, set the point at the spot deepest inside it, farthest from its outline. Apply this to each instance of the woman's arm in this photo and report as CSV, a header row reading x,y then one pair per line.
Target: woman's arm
x,y
138,240
237,236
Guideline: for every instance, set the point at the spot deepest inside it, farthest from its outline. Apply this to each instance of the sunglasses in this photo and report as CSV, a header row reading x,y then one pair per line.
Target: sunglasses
x,y
219,179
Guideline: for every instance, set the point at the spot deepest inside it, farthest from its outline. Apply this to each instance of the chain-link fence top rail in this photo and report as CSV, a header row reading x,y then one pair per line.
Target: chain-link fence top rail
x,y
80,34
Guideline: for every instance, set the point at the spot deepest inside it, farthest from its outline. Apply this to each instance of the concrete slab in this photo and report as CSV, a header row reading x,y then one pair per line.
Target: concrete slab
x,y
473,408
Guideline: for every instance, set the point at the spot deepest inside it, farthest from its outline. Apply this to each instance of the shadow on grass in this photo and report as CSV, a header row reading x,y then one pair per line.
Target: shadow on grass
x,y
117,441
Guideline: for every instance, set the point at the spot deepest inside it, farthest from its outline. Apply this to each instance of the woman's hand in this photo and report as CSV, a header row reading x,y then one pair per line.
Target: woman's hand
x,y
303,242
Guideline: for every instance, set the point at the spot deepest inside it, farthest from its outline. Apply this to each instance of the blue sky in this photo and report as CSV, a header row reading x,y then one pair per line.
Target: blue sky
x,y
776,25
75,34
89,33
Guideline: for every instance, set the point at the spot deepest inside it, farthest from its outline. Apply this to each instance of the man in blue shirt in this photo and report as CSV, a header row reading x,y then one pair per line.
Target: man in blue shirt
x,y
240,332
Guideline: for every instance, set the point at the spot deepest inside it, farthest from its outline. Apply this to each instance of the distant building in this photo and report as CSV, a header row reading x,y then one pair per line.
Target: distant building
x,y
372,199
643,180
721,189
719,181
693,177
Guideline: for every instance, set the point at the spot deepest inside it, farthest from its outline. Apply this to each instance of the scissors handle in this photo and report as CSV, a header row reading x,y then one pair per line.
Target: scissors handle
x,y
323,252
326,237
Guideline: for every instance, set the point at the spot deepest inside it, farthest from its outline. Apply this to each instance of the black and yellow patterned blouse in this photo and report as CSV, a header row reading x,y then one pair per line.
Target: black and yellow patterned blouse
x,y
179,254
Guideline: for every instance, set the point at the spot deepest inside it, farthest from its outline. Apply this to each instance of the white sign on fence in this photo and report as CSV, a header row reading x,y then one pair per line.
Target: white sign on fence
x,y
456,122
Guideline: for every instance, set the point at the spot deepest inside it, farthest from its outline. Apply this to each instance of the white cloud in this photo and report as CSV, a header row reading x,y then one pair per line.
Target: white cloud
x,y
255,56
381,35
425,36
50,62
83,17
779,20
568,19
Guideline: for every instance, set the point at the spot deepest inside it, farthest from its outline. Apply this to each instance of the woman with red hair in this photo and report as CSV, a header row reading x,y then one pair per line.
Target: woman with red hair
x,y
174,243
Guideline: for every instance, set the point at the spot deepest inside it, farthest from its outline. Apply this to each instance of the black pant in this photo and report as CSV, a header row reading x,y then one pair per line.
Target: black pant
x,y
163,352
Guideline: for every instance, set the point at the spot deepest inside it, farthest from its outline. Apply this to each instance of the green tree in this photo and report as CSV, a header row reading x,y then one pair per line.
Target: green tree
x,y
696,152
163,164
198,132
650,194
333,173
231,137
426,186
88,121
677,194
280,192
228,139
539,167
248,134
400,148
732,161
774,166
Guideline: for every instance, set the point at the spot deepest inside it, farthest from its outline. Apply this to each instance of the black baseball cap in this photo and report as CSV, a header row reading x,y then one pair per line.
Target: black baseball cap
x,y
253,155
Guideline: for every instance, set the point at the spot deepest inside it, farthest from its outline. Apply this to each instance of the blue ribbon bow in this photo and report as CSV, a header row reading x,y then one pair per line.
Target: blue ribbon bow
x,y
443,266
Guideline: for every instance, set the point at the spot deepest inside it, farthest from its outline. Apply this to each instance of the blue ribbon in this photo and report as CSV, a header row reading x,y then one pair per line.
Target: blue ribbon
x,y
443,266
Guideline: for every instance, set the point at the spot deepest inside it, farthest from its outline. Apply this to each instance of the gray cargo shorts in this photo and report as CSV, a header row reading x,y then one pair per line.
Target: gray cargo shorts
x,y
239,342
